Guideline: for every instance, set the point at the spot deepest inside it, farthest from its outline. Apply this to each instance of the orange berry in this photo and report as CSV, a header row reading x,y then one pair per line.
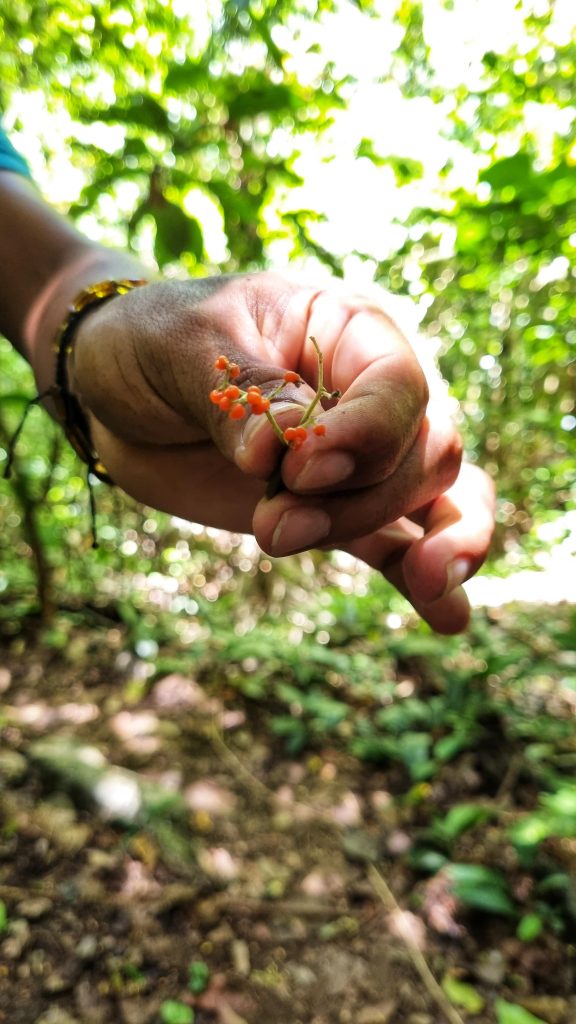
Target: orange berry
x,y
262,405
291,377
225,403
295,436
234,370
237,412
221,363
319,429
253,398
232,392
216,397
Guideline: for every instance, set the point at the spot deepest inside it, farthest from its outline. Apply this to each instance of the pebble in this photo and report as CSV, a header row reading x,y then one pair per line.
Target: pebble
x,y
491,968
380,1014
56,1015
300,975
241,957
18,939
87,947
34,907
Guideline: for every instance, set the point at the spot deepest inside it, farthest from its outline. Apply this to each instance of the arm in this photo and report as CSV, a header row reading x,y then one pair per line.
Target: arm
x,y
46,263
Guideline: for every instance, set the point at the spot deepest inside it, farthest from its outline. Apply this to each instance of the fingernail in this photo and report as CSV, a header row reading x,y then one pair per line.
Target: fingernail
x,y
298,529
456,573
254,424
325,470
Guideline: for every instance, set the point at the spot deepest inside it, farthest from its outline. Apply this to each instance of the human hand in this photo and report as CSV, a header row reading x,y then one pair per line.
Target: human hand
x,y
143,367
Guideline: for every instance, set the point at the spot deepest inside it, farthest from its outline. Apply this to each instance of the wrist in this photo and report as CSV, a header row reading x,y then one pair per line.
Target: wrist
x,y
54,302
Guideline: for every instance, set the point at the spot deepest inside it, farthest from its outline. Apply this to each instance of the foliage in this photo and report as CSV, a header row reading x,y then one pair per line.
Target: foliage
x,y
511,1013
186,132
173,1012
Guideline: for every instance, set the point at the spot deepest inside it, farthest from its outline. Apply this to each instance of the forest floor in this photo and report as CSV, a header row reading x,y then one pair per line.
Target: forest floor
x,y
162,858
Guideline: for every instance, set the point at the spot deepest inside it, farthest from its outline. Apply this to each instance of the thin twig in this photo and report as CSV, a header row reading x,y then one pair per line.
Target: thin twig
x,y
419,962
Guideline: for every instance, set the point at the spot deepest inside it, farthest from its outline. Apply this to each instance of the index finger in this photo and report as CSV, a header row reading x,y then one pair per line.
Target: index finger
x,y
384,392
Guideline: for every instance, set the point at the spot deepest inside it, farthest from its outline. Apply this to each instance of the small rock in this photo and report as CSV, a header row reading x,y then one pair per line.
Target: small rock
x,y
491,968
380,1014
56,1015
300,975
59,981
241,957
87,948
18,939
34,908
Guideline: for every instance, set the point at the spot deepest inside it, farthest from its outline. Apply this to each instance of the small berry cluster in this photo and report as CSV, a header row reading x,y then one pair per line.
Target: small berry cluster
x,y
237,403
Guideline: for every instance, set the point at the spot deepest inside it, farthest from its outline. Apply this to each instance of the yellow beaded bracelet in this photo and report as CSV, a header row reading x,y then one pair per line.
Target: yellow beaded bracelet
x,y
68,409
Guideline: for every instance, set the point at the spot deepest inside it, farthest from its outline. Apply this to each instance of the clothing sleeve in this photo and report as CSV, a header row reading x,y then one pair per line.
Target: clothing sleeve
x,y
10,160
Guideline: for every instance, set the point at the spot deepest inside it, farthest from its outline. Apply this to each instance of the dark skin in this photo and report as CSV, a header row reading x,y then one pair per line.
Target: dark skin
x,y
386,483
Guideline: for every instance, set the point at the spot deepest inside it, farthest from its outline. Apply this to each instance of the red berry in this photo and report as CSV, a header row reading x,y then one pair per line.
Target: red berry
x,y
234,370
237,412
291,377
232,392
216,397
225,403
319,429
254,390
221,363
295,436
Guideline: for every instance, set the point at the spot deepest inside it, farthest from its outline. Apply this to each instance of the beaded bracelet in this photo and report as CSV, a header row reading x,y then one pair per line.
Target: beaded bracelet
x,y
69,411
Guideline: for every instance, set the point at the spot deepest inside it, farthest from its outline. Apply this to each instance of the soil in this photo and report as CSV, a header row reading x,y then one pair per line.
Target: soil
x,y
288,880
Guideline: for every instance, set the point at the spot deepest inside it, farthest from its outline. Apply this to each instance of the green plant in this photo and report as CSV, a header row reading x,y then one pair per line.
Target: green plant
x,y
198,976
174,1012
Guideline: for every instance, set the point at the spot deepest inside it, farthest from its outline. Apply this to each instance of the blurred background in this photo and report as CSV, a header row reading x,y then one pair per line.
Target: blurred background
x,y
425,147
176,707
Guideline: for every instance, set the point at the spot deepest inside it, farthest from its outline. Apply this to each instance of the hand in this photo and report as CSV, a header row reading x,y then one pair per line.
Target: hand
x,y
143,366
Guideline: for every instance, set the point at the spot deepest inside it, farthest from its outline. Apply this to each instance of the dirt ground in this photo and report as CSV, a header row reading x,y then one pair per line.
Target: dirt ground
x,y
252,887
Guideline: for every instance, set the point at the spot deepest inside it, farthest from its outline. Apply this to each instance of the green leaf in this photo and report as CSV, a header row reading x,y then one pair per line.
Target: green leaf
x,y
530,927
512,171
175,233
510,1013
461,818
3,917
173,1012
198,975
481,888
463,995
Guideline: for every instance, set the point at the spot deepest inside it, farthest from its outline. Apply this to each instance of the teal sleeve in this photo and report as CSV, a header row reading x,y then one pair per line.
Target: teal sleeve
x,y
10,160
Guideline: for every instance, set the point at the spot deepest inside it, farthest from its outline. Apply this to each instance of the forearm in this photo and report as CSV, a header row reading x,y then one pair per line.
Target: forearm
x,y
45,263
